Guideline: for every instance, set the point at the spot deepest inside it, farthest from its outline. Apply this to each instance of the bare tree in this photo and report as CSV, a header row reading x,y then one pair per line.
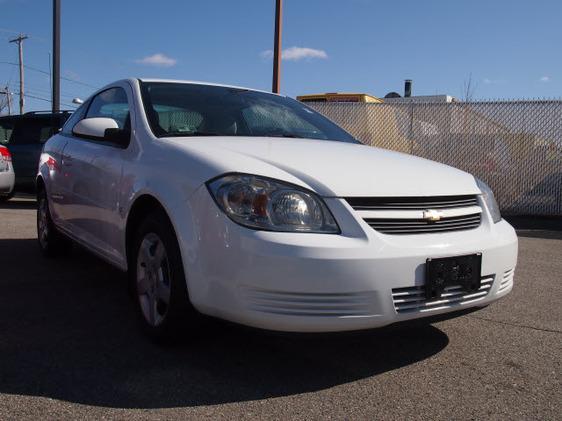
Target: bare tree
x,y
4,99
469,88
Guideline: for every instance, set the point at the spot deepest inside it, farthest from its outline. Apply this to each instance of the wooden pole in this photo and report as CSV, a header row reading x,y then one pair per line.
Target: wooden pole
x,y
19,41
277,47
56,57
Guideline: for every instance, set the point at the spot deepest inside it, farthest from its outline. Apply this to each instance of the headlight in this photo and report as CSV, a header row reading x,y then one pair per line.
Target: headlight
x,y
489,200
266,204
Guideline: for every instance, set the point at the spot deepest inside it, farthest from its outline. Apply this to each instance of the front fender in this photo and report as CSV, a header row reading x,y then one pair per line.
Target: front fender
x,y
174,198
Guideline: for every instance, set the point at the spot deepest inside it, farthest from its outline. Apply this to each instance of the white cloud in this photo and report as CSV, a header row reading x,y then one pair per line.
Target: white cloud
x,y
488,81
297,53
545,79
158,60
70,74
266,54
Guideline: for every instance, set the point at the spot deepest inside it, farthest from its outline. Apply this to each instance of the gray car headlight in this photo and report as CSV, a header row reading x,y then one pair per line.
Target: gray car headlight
x,y
272,205
489,200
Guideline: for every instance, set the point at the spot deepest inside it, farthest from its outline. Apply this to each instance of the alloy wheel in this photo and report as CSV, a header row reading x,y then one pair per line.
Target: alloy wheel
x,y
43,223
153,279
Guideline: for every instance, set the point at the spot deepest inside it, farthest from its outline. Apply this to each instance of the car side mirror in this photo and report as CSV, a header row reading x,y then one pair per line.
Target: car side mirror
x,y
120,137
94,128
104,129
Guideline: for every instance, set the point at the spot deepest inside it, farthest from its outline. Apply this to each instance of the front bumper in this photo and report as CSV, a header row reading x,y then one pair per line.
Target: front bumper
x,y
321,282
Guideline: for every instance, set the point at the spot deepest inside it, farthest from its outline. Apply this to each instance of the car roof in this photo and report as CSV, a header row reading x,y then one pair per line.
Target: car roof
x,y
195,82
36,115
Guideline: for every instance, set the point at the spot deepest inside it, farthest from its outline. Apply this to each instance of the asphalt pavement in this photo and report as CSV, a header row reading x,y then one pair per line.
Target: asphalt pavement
x,y
70,348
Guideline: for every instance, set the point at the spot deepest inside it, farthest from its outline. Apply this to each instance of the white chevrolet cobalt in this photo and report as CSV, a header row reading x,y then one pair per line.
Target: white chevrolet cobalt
x,y
251,207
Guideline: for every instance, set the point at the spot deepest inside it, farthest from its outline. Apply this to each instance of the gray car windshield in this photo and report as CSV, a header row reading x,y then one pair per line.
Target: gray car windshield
x,y
183,109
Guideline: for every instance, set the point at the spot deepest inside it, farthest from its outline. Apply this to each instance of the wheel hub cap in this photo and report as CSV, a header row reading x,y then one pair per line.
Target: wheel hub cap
x,y
42,225
153,279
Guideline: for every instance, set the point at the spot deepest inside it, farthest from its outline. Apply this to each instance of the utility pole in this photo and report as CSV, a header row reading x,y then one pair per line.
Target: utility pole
x,y
277,46
56,56
19,39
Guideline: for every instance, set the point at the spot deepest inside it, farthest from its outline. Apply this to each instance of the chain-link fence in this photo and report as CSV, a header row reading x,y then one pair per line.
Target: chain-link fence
x,y
514,146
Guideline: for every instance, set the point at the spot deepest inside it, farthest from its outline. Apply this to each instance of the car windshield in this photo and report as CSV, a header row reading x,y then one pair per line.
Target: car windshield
x,y
183,109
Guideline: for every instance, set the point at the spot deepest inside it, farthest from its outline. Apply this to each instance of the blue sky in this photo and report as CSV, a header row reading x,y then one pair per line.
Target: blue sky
x,y
511,48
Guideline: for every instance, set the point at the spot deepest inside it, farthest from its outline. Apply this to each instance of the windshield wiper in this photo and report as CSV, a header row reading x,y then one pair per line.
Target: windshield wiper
x,y
238,90
196,133
282,134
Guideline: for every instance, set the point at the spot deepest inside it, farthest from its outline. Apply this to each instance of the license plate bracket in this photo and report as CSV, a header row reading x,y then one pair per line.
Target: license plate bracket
x,y
463,271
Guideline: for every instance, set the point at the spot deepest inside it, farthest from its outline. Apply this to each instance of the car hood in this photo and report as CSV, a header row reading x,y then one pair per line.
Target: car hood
x,y
332,169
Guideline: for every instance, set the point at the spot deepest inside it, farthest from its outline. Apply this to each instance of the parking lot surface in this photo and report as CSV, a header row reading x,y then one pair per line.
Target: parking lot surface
x,y
70,348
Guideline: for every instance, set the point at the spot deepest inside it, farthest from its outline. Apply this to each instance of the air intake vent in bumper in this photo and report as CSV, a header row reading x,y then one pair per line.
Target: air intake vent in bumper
x,y
310,304
412,299
507,280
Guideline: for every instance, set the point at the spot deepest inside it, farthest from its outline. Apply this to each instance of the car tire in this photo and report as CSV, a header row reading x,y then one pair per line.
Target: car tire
x,y
157,280
51,242
6,197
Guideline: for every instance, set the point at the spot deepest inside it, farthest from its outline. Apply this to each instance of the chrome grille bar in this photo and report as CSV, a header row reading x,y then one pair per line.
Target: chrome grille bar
x,y
418,203
405,215
412,299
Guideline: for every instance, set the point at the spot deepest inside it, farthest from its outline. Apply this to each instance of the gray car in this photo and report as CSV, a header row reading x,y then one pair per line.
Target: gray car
x,y
24,136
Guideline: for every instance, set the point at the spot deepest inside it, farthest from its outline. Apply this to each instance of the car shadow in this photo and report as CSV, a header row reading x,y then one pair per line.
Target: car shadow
x,y
68,332
16,203
547,227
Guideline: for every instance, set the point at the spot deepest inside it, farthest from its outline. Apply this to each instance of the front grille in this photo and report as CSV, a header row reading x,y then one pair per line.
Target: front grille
x,y
409,226
416,203
405,215
413,299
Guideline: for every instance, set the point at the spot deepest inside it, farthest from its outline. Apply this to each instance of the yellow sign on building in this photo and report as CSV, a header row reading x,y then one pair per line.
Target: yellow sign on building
x,y
339,97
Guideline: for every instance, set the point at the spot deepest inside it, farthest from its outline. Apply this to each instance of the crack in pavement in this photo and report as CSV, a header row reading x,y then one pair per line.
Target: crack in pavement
x,y
514,324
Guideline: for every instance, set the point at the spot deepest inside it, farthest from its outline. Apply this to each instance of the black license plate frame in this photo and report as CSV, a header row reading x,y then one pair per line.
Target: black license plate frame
x,y
442,272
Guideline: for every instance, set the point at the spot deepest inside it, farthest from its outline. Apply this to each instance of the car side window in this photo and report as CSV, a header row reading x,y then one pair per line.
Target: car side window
x,y
46,132
74,118
30,131
111,103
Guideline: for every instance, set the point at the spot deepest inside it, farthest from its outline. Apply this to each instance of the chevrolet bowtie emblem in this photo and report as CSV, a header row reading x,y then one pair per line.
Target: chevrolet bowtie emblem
x,y
432,215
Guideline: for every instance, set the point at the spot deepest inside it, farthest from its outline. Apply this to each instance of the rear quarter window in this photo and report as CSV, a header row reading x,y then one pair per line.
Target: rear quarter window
x,y
29,131
6,130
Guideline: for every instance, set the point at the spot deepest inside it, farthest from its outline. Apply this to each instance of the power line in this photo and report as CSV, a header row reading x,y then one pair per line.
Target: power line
x,y
40,91
48,91
10,31
35,69
47,100
43,94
